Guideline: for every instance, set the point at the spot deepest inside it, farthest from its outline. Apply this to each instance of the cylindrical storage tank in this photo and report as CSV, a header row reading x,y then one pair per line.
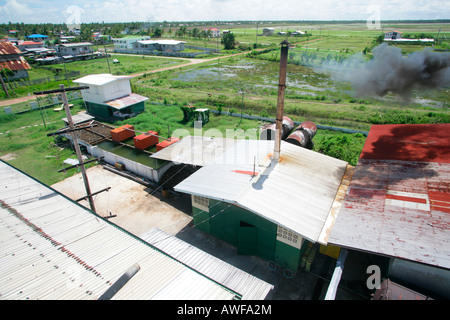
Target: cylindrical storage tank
x,y
288,126
267,132
309,127
300,138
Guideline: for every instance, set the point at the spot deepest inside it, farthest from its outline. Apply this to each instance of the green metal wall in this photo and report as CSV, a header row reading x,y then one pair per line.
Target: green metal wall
x,y
250,233
106,112
98,110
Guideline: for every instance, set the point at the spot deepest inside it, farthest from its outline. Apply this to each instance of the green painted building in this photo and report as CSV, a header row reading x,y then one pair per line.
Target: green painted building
x,y
109,97
267,208
249,233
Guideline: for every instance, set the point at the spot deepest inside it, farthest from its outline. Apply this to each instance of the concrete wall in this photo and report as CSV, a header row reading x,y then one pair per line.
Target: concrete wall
x,y
141,170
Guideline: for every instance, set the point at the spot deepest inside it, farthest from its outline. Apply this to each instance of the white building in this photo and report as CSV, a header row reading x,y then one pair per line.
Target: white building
x,y
110,96
75,49
123,44
393,35
159,45
215,33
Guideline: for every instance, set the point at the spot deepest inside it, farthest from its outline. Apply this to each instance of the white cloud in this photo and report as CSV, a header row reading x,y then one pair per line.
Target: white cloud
x,y
207,10
14,8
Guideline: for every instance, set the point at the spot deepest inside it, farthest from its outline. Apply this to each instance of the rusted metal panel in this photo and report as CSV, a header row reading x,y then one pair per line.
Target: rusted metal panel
x,y
126,101
390,290
400,207
7,48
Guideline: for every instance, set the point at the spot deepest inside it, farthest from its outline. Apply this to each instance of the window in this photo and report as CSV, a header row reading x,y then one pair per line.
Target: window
x,y
289,237
201,203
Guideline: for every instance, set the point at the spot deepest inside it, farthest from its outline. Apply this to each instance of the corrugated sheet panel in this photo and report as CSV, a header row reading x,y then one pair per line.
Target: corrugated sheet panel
x,y
296,193
52,248
195,150
99,79
7,48
248,286
16,64
398,202
126,101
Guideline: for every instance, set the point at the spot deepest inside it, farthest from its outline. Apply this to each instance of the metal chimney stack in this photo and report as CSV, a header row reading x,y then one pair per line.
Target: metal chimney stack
x,y
280,102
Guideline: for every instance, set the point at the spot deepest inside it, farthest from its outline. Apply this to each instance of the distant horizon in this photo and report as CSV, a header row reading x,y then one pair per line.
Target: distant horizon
x,y
254,21
124,11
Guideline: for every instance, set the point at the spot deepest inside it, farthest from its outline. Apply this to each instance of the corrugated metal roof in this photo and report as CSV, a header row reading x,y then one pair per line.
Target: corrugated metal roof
x,y
53,248
99,79
195,150
78,44
166,42
248,286
16,64
398,203
126,101
10,57
7,48
296,193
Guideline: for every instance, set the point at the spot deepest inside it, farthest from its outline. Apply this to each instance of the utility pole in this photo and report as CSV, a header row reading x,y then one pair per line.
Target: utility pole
x,y
77,148
107,60
72,130
4,85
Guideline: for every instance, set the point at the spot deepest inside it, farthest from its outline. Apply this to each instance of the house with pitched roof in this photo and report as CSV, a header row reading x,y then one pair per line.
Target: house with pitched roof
x,y
109,97
11,58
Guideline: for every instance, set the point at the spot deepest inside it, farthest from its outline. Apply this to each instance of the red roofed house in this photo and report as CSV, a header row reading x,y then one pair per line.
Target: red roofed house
x,y
11,58
30,45
215,33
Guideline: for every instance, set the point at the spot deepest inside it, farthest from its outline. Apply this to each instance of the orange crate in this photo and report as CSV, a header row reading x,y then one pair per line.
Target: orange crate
x,y
145,140
166,143
122,133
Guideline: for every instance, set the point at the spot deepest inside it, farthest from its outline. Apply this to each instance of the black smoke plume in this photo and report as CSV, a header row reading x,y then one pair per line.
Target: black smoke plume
x,y
391,72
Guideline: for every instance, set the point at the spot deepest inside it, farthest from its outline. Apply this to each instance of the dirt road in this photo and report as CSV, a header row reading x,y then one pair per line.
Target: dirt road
x,y
188,63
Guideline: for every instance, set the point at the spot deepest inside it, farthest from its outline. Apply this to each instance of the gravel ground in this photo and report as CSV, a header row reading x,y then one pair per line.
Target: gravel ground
x,y
137,208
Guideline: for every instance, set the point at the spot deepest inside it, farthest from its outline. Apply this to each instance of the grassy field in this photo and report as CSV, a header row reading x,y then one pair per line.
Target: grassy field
x,y
311,94
25,145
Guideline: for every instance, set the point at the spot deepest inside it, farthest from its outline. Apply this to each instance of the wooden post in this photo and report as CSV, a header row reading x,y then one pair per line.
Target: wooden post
x,y
77,148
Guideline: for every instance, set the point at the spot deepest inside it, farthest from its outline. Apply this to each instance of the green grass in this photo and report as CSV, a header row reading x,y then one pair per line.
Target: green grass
x,y
24,138
310,95
128,64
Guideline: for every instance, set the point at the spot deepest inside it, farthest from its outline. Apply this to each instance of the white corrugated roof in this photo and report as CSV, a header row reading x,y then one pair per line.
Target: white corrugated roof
x,y
248,286
296,193
195,150
167,42
53,248
99,79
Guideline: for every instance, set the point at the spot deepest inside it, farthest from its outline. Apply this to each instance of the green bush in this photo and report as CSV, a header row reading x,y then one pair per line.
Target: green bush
x,y
346,147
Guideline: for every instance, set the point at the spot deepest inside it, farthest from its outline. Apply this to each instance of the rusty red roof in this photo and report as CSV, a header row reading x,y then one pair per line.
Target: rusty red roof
x,y
10,57
398,202
17,64
7,48
419,142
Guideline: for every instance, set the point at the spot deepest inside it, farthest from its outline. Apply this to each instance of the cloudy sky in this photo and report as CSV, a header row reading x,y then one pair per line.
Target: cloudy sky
x,y
85,11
